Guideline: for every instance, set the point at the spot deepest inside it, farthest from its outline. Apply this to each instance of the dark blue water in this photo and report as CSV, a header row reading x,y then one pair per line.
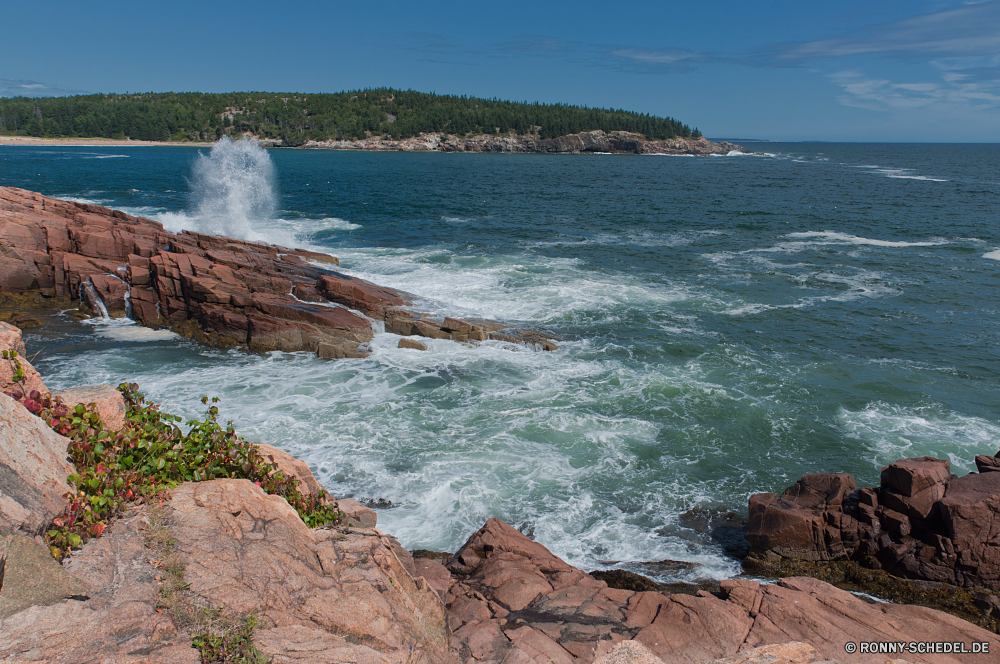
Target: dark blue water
x,y
729,324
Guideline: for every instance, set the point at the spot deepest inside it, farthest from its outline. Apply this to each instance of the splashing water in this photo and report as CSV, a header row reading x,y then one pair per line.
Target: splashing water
x,y
233,186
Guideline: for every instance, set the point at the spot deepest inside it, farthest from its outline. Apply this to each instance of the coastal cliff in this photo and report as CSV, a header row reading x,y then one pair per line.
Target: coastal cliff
x,y
615,142
218,290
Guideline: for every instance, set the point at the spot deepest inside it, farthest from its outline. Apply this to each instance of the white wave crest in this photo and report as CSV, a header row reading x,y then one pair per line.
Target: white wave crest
x,y
900,173
993,255
892,431
126,329
334,223
831,237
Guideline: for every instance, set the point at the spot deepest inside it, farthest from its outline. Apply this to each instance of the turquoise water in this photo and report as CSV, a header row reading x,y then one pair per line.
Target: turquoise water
x,y
728,325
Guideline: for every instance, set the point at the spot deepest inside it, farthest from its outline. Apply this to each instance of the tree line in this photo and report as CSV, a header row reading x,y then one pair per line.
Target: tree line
x,y
296,118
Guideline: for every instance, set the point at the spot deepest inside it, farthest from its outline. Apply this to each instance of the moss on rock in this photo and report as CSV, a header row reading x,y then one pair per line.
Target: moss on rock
x,y
854,577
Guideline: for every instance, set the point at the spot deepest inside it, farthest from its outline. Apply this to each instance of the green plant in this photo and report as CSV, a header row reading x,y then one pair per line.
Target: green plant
x,y
150,456
219,636
231,642
16,370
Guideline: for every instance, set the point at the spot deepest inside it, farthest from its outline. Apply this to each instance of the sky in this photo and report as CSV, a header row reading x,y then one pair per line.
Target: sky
x,y
891,70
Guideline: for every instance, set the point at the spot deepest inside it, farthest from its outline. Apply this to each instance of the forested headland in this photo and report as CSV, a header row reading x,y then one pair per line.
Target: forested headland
x,y
296,118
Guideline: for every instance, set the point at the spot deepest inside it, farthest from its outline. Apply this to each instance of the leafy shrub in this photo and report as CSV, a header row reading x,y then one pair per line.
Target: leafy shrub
x,y
150,456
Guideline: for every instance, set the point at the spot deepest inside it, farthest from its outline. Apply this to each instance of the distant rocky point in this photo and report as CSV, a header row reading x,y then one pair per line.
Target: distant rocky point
x,y
615,142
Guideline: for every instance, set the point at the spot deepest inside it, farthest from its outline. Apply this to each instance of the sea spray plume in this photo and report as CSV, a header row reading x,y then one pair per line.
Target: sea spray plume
x,y
233,189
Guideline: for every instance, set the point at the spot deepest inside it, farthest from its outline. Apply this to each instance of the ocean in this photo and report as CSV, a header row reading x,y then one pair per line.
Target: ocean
x,y
727,325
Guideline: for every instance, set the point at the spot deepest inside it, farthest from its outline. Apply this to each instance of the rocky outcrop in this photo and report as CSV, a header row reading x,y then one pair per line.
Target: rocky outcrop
x,y
10,340
319,595
324,595
219,290
510,600
109,401
583,142
33,470
922,522
115,616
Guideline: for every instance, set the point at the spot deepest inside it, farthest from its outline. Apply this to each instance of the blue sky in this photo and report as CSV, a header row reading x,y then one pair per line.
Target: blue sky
x,y
893,70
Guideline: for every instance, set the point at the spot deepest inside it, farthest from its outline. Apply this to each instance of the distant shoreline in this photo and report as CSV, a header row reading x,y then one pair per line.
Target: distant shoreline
x,y
110,142
593,142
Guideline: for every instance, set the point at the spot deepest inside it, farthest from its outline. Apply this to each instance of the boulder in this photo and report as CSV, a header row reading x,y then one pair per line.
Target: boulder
x,y
30,576
577,619
335,595
10,339
358,516
411,343
33,470
113,613
987,464
922,522
794,525
109,401
308,486
360,294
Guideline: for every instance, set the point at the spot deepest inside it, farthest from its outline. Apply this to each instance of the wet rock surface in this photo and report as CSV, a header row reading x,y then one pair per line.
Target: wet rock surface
x,y
219,290
922,522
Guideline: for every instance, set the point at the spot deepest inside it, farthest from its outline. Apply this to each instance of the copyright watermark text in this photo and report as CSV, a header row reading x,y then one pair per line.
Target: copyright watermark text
x,y
917,647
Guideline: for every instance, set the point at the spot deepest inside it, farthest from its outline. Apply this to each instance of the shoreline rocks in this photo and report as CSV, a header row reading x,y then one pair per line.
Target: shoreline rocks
x,y
224,551
510,599
217,290
922,522
615,142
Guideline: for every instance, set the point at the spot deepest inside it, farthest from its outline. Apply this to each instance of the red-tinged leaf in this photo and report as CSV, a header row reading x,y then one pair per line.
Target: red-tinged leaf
x,y
96,529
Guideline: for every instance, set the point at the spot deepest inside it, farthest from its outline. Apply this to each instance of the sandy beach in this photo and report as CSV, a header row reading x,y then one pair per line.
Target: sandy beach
x,y
31,140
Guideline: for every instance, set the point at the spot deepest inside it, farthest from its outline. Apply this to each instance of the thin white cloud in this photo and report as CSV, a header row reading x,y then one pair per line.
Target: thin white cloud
x,y
22,88
877,94
613,56
656,56
969,30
